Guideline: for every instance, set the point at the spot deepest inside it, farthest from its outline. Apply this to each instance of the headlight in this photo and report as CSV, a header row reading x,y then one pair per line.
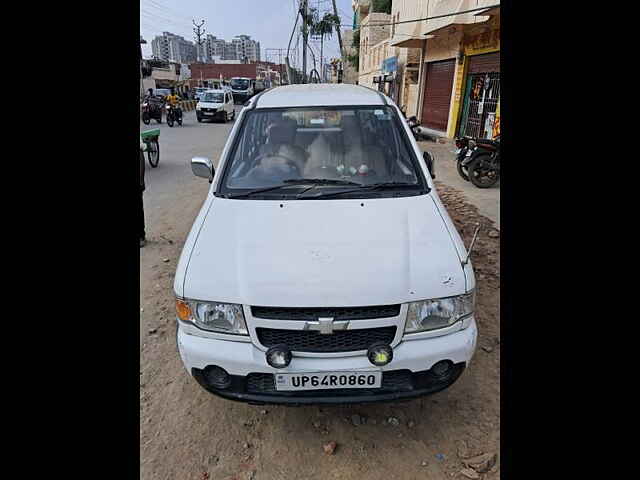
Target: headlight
x,y
213,316
438,313
145,104
197,107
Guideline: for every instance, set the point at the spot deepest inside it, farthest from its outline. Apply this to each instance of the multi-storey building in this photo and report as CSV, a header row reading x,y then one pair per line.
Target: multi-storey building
x,y
173,48
246,49
214,48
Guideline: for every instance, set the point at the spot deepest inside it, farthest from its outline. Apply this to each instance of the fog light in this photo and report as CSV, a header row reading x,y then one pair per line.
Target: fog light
x,y
442,368
218,377
279,356
380,354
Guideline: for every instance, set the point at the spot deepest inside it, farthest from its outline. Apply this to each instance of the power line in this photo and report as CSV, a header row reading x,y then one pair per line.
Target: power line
x,y
156,18
429,18
164,8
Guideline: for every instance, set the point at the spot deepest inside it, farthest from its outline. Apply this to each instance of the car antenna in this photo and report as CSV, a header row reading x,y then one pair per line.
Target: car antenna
x,y
473,241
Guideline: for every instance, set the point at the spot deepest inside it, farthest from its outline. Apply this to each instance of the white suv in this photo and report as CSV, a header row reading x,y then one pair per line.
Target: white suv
x,y
322,267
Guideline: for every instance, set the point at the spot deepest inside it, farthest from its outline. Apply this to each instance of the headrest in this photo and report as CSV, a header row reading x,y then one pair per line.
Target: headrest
x,y
282,132
350,125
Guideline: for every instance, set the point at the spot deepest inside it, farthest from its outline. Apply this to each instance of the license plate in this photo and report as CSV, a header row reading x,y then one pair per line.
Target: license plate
x,y
208,113
327,380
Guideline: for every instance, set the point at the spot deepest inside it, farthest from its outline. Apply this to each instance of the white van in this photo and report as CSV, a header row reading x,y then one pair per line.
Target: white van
x,y
322,267
216,105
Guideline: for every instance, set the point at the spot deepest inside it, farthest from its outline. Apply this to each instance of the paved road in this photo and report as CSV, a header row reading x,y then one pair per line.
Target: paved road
x,y
173,177
188,434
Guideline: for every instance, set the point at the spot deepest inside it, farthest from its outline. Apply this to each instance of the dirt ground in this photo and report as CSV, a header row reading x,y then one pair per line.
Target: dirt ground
x,y
189,434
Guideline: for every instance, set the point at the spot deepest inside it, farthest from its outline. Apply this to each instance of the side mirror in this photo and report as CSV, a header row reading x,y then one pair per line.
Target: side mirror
x,y
428,159
202,167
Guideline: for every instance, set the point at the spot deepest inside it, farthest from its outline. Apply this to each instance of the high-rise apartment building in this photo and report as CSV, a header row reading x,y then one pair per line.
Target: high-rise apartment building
x,y
173,48
246,49
214,47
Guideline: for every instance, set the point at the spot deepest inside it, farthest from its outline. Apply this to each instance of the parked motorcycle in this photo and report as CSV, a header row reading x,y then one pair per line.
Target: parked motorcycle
x,y
465,146
151,111
174,114
416,129
483,165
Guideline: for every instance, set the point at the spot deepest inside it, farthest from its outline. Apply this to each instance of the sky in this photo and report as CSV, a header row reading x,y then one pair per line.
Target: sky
x,y
269,22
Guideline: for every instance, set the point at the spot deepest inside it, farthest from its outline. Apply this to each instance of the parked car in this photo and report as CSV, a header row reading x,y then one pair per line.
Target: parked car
x,y
216,105
323,268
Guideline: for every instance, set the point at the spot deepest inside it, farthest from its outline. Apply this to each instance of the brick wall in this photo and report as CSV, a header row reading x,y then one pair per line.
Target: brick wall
x,y
214,70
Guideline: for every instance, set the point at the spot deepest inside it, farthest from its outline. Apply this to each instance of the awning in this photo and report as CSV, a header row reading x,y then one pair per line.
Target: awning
x,y
407,42
488,12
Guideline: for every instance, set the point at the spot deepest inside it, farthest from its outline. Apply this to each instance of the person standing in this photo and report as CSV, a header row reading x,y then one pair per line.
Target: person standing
x,y
142,235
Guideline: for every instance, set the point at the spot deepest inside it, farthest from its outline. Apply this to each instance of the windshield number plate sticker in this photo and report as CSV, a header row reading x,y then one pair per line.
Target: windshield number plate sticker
x,y
328,380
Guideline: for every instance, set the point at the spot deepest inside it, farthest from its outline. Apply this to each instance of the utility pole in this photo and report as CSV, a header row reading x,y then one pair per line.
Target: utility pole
x,y
305,34
199,41
142,42
342,52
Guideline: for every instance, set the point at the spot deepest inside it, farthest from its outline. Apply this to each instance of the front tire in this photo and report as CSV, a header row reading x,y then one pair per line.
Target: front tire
x,y
170,120
482,174
461,170
146,119
153,153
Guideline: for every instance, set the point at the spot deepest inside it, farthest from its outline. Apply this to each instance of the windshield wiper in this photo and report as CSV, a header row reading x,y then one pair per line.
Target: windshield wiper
x,y
373,186
295,181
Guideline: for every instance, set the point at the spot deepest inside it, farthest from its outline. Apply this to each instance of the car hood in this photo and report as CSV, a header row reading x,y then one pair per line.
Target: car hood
x,y
321,253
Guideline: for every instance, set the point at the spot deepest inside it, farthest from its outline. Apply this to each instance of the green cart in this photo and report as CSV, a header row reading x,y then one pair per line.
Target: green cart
x,y
150,138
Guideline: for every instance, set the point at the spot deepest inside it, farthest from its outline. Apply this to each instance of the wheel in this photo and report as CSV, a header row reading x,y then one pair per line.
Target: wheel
x,y
179,121
462,170
145,118
153,153
482,172
199,118
170,120
234,114
225,117
159,119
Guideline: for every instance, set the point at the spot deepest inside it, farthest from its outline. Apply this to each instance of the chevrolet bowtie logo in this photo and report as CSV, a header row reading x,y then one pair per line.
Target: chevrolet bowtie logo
x,y
326,326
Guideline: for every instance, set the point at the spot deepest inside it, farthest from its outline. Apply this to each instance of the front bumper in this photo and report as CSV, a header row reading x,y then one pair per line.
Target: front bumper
x,y
407,376
210,115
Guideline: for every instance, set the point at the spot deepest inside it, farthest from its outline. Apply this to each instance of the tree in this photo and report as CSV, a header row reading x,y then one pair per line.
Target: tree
x,y
382,6
325,26
354,58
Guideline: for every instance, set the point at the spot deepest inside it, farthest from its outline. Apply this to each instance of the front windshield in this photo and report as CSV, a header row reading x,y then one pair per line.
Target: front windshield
x,y
238,84
333,146
213,98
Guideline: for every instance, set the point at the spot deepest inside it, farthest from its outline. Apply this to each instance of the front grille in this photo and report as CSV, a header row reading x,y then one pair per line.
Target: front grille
x,y
393,381
338,341
337,313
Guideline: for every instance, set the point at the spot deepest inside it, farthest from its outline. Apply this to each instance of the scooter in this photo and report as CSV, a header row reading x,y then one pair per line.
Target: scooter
x,y
174,114
416,129
464,146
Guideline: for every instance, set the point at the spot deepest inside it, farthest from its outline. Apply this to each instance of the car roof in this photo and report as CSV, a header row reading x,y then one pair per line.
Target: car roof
x,y
318,95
